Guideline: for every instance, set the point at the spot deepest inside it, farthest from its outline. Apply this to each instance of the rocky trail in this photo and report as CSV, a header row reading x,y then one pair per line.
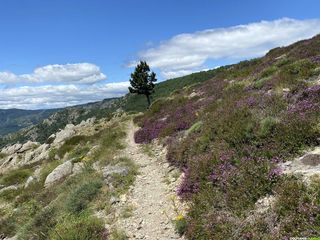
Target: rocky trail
x,y
152,197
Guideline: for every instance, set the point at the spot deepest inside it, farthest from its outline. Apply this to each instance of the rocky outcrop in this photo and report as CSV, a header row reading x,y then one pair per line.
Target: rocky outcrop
x,y
64,134
63,170
11,149
27,146
307,166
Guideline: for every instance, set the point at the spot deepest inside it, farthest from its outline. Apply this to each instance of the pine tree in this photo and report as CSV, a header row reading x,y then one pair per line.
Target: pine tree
x,y
142,81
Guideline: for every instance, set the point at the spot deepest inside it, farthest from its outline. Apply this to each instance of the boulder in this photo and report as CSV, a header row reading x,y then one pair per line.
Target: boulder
x,y
77,168
12,149
12,187
27,146
41,153
29,180
64,134
109,171
58,173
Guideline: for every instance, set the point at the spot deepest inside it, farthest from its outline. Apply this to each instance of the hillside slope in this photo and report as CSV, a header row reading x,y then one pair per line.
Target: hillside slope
x,y
237,137
242,145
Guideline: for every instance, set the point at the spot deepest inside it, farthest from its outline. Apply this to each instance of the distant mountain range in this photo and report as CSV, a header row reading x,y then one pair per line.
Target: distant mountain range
x,y
12,120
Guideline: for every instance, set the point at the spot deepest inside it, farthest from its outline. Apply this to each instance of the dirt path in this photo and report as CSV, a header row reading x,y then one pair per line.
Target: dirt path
x,y
152,196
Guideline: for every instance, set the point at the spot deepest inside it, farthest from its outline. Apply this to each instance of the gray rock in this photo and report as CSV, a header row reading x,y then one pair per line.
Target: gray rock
x,y
12,187
77,168
11,149
64,134
27,146
58,173
109,171
29,180
114,200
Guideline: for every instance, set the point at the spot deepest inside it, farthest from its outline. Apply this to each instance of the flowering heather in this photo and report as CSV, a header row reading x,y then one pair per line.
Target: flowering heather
x,y
249,102
315,59
275,173
177,120
250,124
308,101
187,186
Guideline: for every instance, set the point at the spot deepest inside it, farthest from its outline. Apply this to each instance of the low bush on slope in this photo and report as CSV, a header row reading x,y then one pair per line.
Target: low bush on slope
x,y
250,117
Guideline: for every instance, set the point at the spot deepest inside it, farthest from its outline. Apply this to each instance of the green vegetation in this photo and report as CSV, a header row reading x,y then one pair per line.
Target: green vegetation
x,y
142,81
79,198
15,176
65,210
253,115
79,227
180,225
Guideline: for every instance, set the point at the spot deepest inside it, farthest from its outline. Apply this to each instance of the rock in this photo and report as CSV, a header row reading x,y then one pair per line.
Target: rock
x,y
263,204
51,138
193,94
12,187
41,153
77,168
114,200
11,160
64,134
29,180
110,170
37,173
311,159
10,150
123,198
27,146
29,156
285,90
96,166
58,173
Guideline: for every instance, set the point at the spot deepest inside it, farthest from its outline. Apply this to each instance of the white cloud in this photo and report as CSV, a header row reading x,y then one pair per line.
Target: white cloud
x,y
79,73
189,52
54,86
54,96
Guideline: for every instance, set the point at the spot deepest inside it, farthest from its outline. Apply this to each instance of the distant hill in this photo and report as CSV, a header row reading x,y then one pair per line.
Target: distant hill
x,y
12,120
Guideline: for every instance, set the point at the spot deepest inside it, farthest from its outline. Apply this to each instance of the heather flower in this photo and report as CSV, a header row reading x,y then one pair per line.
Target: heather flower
x,y
275,173
187,186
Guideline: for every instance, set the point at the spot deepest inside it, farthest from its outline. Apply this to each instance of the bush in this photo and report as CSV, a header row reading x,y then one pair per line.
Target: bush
x,y
82,227
180,224
15,176
70,144
39,226
267,125
79,199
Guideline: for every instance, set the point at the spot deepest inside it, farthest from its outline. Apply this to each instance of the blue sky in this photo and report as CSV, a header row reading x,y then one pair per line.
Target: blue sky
x,y
101,41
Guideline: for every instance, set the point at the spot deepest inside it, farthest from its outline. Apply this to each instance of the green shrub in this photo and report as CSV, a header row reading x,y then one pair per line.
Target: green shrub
x,y
80,227
268,72
180,225
79,199
39,226
70,144
195,127
267,125
117,234
15,176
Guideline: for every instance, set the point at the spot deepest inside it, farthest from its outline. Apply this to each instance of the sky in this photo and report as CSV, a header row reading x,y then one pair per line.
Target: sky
x,y
67,52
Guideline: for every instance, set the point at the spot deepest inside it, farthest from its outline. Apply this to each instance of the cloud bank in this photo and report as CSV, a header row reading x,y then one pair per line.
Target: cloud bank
x,y
56,96
79,73
189,52
55,86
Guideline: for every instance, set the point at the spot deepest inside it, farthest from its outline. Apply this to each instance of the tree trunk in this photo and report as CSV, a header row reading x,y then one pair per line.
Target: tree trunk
x,y
148,98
